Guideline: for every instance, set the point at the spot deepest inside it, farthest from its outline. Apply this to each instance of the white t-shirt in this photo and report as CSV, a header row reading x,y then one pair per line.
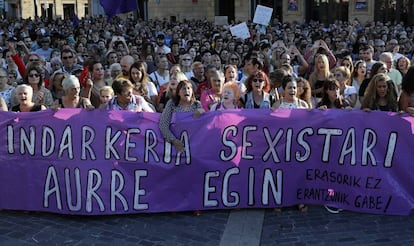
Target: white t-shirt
x,y
157,78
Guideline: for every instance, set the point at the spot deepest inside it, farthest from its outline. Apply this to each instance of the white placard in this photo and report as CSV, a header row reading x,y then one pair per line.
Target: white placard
x,y
221,20
240,31
262,15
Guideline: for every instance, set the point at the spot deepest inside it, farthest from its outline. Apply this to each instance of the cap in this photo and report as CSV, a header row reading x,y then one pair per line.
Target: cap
x,y
160,36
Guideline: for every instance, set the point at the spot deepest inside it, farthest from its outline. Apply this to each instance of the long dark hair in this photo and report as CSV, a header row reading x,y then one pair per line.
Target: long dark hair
x,y
330,84
33,67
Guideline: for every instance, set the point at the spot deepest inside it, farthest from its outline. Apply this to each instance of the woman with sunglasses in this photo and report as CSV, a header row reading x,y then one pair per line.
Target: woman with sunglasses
x,y
34,78
257,93
186,62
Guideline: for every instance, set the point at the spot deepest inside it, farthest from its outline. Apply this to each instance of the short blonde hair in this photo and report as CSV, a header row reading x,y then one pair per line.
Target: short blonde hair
x,y
106,88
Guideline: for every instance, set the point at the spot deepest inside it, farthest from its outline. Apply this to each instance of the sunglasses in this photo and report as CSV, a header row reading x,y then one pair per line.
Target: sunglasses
x,y
186,59
258,80
34,75
234,59
67,57
33,60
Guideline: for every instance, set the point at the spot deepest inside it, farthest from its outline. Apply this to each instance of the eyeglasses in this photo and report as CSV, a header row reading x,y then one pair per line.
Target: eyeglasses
x,y
258,80
34,75
67,57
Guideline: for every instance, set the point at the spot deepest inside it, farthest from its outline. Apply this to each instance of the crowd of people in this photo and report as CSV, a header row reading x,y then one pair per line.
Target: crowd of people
x,y
196,66
166,67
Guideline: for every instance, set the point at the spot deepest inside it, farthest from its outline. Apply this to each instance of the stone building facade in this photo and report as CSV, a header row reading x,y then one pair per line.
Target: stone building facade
x,y
326,11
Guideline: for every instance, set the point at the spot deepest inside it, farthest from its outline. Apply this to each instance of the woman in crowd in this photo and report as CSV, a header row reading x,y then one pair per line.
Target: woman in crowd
x,y
347,62
380,94
125,99
358,76
257,93
289,99
185,63
348,92
331,97
216,60
98,81
378,67
55,85
406,101
304,91
184,101
72,98
40,94
142,84
320,74
235,59
213,95
170,91
403,63
6,90
231,75
24,95
230,98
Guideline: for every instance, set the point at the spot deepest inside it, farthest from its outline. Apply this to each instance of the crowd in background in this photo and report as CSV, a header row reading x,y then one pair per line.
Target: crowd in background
x,y
136,65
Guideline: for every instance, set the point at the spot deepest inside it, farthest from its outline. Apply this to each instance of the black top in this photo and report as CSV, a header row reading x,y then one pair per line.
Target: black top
x,y
363,87
35,108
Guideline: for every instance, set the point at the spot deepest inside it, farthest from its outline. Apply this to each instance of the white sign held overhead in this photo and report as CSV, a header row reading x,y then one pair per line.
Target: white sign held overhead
x,y
262,15
240,31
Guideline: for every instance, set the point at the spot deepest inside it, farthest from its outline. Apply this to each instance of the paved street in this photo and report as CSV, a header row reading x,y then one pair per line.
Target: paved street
x,y
289,227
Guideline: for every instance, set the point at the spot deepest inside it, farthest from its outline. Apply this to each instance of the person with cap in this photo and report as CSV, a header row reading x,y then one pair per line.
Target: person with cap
x,y
174,56
161,47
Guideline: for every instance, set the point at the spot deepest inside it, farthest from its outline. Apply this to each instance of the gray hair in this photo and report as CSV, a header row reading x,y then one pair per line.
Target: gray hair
x,y
70,82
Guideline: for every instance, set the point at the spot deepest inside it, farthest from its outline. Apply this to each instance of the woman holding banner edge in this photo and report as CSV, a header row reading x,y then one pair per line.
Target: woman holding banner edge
x,y
183,101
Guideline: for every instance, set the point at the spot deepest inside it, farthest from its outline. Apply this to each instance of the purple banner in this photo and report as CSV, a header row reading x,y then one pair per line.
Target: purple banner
x,y
113,162
112,7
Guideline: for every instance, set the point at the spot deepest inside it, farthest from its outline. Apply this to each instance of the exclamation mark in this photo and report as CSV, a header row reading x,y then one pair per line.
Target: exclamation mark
x,y
388,204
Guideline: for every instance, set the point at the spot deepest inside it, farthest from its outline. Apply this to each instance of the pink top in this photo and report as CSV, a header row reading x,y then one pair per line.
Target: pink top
x,y
207,99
